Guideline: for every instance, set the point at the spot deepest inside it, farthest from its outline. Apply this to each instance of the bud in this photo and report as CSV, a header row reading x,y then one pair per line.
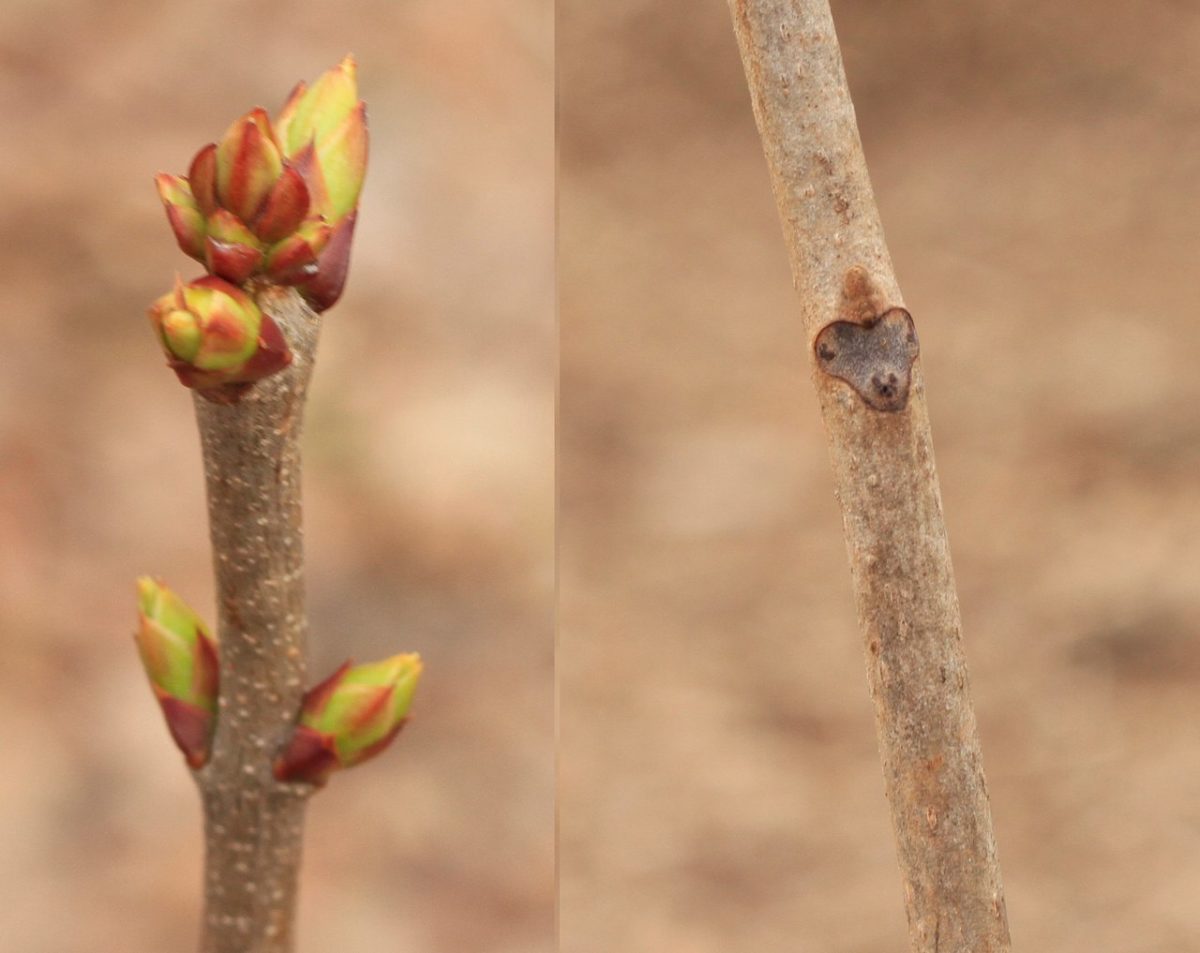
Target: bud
x,y
239,202
216,338
248,165
322,129
180,656
183,213
278,200
350,717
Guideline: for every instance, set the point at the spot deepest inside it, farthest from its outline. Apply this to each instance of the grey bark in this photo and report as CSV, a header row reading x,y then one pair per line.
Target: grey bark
x,y
254,824
867,372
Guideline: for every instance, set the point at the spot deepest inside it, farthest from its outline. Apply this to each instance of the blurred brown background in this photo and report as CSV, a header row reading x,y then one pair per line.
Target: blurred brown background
x,y
1037,167
429,467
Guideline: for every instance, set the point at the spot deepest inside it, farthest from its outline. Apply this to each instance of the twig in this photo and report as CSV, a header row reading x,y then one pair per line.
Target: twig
x,y
253,823
267,210
867,373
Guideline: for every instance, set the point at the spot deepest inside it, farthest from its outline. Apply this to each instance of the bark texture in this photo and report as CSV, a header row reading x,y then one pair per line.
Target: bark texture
x,y
867,373
254,824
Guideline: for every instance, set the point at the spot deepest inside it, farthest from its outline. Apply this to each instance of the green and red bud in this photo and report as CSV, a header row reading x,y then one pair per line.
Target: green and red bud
x,y
180,657
248,165
216,338
322,130
187,221
350,717
329,119
278,200
293,260
239,202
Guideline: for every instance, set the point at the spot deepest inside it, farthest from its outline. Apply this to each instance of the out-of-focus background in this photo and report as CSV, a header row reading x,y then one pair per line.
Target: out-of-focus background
x,y
429,467
1037,167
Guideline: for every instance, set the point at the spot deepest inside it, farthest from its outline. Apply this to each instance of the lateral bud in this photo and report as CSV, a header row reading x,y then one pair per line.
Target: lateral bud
x,y
349,718
217,340
180,657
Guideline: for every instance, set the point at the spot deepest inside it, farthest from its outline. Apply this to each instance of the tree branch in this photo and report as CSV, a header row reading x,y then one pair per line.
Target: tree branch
x,y
254,824
867,373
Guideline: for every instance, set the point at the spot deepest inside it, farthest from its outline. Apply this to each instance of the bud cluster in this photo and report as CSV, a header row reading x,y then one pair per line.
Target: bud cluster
x,y
273,202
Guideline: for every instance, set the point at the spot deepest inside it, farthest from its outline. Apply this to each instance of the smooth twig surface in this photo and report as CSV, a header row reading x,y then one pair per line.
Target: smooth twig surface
x,y
867,373
253,824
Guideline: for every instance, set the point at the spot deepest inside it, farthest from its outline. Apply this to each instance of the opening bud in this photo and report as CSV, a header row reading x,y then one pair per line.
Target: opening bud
x,y
322,129
279,199
239,201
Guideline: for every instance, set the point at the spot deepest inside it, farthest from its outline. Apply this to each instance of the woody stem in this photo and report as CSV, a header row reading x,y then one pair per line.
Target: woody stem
x,y
254,824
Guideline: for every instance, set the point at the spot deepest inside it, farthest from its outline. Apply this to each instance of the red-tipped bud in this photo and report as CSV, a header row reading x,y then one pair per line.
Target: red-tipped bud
x,y
216,338
202,175
231,261
231,250
324,287
350,717
285,208
295,258
180,657
248,165
187,221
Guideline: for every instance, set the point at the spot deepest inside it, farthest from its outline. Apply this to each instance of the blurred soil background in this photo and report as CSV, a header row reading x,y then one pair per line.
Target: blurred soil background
x,y
429,479
1037,167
